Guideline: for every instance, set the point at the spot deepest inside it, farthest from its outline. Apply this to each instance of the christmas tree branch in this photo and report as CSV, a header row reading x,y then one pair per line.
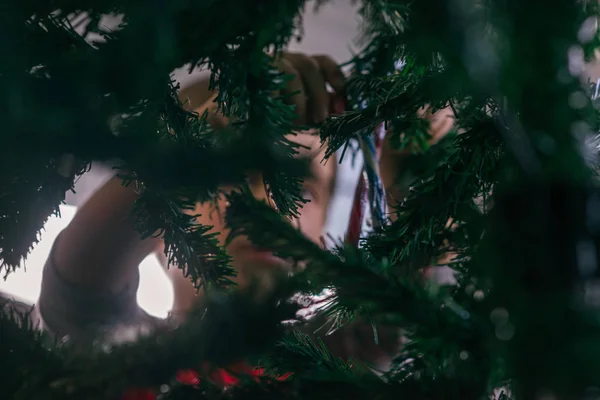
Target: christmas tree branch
x,y
110,108
154,359
23,348
361,284
420,229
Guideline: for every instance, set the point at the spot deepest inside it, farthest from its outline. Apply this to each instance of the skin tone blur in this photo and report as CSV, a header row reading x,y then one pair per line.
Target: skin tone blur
x,y
102,237
356,339
313,104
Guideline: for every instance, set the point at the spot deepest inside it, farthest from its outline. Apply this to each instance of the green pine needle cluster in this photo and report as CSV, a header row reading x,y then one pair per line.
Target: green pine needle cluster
x,y
509,193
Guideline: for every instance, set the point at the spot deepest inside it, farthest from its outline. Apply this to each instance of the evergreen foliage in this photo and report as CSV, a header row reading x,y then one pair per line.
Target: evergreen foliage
x,y
521,320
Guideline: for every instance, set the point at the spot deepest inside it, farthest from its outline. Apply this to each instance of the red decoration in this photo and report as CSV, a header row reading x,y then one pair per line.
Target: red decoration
x,y
361,197
190,377
356,215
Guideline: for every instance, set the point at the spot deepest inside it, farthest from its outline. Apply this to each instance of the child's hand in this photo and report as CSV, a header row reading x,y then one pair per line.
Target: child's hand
x,y
311,75
307,90
391,162
441,123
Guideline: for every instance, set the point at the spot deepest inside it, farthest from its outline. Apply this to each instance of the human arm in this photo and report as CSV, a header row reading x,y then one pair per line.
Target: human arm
x,y
91,275
100,248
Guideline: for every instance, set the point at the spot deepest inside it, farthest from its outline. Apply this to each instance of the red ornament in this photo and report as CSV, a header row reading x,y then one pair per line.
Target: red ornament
x,y
188,377
220,377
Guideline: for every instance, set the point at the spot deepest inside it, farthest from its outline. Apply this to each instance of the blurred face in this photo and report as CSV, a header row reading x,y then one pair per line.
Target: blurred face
x,y
249,261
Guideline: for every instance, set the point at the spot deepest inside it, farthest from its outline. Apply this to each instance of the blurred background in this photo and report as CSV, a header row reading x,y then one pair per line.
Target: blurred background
x,y
331,31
